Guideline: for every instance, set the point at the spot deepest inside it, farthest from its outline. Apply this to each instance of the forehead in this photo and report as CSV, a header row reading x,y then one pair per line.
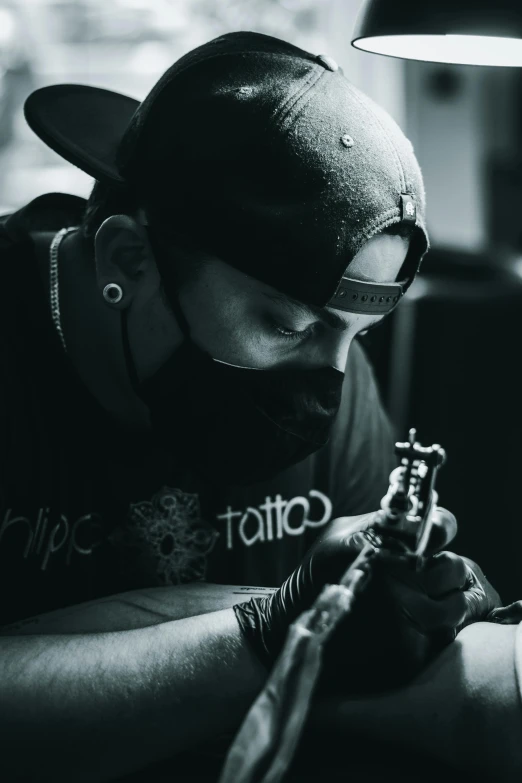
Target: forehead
x,y
378,261
334,318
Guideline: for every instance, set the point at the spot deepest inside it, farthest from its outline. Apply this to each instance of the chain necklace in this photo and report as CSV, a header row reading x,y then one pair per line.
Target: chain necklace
x,y
54,283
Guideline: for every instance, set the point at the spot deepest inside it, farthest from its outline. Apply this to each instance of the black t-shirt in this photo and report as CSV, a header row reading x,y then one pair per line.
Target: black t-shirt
x,y
88,509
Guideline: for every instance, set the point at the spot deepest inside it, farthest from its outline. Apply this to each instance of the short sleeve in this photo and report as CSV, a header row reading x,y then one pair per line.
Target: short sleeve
x,y
362,445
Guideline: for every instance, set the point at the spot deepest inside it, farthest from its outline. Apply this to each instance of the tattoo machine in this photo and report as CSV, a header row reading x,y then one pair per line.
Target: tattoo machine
x,y
266,743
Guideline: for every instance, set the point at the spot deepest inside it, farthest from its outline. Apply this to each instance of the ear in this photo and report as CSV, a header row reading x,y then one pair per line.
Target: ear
x,y
123,255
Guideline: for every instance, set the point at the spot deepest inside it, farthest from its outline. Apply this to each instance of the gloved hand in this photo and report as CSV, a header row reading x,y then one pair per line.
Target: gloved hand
x,y
483,601
506,615
407,617
398,623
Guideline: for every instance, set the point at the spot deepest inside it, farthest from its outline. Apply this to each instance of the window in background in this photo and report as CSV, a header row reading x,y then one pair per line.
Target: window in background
x,y
124,45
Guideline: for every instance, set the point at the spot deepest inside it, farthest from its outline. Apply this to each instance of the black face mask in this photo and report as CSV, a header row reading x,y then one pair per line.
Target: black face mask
x,y
234,425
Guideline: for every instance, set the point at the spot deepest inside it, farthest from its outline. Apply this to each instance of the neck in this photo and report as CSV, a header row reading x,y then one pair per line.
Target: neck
x,y
92,334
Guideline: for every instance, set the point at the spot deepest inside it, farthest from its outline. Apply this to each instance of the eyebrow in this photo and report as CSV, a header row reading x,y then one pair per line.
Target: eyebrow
x,y
308,310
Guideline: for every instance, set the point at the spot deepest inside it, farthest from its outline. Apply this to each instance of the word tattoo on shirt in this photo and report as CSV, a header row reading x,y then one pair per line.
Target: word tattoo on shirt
x,y
276,518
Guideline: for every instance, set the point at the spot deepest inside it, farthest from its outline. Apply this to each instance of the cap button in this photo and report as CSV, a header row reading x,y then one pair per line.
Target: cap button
x,y
327,62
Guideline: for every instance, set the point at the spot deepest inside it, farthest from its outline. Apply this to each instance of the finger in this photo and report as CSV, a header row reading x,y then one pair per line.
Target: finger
x,y
427,613
507,615
479,573
444,573
493,596
342,534
343,528
443,530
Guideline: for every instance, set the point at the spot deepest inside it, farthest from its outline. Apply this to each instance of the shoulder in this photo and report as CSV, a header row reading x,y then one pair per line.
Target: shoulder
x,y
48,212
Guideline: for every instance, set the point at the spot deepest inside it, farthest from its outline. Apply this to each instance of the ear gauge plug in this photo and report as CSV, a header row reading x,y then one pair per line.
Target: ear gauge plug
x,y
113,293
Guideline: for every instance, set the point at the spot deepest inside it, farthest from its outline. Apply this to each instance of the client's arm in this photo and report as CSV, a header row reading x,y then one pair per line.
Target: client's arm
x,y
136,609
464,709
142,675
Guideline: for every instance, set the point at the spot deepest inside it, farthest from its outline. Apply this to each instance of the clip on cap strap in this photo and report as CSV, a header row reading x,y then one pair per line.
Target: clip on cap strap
x,y
355,296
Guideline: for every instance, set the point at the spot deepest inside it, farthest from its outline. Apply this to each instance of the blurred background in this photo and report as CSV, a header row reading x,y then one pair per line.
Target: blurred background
x,y
448,360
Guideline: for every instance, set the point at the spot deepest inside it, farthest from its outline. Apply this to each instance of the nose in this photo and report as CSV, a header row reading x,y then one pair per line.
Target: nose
x,y
333,351
341,355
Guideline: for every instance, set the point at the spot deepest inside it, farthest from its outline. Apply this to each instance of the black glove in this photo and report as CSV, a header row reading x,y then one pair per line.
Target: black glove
x,y
483,602
400,620
506,615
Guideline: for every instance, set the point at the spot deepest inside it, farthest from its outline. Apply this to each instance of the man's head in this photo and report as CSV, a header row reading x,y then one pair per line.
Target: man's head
x,y
257,206
254,152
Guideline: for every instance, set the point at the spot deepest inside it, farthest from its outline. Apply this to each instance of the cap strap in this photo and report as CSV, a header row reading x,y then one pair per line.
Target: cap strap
x,y
355,296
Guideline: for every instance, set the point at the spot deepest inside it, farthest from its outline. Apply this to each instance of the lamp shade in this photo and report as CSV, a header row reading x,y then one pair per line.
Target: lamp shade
x,y
466,32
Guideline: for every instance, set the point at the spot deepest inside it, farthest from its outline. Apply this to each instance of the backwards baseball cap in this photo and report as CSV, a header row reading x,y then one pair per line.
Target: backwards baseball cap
x,y
258,152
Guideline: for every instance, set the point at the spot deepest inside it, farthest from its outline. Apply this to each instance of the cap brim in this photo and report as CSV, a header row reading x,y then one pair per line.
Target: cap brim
x,y
82,124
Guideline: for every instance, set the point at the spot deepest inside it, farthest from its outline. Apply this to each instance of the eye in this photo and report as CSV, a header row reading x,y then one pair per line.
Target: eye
x,y
291,334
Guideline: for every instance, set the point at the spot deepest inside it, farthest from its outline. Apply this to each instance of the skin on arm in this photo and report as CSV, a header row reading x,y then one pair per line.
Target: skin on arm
x,y
139,696
464,709
136,609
